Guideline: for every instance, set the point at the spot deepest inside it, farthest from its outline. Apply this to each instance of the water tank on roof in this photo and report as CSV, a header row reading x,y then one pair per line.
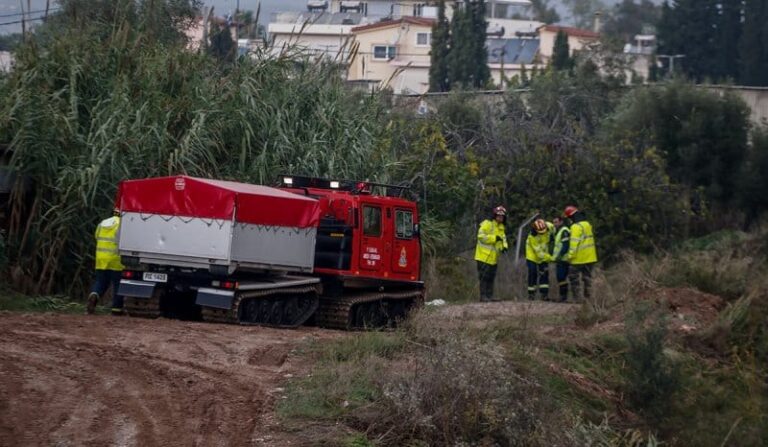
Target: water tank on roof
x,y
495,30
349,5
317,5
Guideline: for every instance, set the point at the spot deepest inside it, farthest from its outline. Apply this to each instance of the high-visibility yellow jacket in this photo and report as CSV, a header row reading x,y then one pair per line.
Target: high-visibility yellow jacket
x,y
491,240
107,257
562,243
582,248
537,245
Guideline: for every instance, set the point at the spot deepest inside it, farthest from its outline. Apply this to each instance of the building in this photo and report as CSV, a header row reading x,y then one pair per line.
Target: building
x,y
6,61
386,43
507,58
578,39
394,54
317,33
640,56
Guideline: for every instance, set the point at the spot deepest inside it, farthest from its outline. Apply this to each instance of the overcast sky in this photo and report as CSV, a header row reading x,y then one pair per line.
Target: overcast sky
x,y
10,10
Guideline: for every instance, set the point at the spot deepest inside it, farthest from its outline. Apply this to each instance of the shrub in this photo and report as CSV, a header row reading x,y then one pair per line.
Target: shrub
x,y
3,253
460,392
652,379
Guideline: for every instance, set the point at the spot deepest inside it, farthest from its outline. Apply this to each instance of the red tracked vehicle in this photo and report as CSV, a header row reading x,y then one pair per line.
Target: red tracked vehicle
x,y
311,249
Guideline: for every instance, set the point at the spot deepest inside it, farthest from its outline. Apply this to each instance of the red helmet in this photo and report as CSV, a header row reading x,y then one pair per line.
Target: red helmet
x,y
499,211
570,210
539,225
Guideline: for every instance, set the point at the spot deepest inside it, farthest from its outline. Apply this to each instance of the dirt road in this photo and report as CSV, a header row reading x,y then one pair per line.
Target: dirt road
x,y
69,380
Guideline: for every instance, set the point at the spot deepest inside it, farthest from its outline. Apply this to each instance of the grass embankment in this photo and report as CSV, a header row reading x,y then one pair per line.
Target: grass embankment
x,y
15,302
672,350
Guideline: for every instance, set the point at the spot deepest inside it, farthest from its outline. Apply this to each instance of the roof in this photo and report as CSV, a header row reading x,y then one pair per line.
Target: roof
x,y
317,18
512,51
218,199
387,23
571,31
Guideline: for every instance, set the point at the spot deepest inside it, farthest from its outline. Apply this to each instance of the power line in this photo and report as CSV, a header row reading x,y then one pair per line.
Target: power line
x,y
16,14
22,21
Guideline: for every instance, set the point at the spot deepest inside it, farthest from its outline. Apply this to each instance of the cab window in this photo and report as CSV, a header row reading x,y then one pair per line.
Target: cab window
x,y
404,224
371,221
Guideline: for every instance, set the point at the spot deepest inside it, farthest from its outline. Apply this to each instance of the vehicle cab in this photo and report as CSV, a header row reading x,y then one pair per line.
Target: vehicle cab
x,y
368,232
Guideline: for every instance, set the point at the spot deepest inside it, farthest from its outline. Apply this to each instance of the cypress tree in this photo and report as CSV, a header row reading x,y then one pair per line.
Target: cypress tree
x,y
460,59
561,57
695,29
754,43
728,37
439,80
481,73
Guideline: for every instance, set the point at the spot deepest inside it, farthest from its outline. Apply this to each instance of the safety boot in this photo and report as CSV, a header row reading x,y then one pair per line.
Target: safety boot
x,y
93,298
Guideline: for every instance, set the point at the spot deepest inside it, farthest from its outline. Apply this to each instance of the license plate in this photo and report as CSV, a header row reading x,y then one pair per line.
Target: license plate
x,y
155,277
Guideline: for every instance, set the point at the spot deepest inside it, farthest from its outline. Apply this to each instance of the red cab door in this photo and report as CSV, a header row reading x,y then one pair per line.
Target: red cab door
x,y
405,245
372,243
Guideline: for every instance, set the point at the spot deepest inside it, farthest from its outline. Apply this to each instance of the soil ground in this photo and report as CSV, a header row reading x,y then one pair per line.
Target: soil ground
x,y
75,380
70,380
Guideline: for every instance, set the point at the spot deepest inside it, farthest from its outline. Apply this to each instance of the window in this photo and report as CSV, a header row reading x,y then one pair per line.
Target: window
x,y
404,224
423,39
371,221
383,52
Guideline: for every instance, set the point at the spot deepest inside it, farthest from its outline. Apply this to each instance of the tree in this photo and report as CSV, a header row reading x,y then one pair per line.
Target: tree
x,y
481,73
702,135
440,52
708,32
583,11
468,58
561,53
729,29
222,46
543,12
754,43
753,182
629,18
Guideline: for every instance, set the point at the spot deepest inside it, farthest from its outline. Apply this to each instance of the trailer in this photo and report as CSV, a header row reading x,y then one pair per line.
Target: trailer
x,y
331,252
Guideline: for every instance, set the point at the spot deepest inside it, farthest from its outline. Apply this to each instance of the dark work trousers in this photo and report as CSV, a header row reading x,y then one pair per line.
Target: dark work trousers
x,y
105,278
578,274
538,278
562,279
486,274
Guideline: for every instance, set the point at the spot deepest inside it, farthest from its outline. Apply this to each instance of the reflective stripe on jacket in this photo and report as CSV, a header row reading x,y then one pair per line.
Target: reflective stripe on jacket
x,y
562,243
107,256
488,245
582,248
537,245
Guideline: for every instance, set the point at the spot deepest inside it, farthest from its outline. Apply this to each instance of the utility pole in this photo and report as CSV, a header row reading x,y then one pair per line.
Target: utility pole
x,y
671,58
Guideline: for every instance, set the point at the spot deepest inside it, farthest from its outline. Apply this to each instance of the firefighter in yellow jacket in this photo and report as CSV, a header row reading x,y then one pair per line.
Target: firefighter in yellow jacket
x,y
582,253
537,258
491,242
108,265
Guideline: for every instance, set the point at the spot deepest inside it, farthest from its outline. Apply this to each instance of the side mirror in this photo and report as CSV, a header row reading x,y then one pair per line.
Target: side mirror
x,y
416,230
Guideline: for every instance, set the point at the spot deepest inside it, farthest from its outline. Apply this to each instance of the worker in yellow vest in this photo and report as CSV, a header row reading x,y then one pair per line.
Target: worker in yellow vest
x,y
582,253
537,258
559,251
108,265
491,242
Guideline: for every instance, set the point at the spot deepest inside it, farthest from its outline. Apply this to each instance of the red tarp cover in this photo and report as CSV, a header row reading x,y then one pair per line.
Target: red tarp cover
x,y
218,199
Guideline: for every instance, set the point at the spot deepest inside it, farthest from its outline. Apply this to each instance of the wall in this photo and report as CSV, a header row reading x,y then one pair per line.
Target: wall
x,y
755,97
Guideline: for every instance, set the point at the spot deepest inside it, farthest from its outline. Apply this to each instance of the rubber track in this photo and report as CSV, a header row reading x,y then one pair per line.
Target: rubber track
x,y
142,307
230,316
336,313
